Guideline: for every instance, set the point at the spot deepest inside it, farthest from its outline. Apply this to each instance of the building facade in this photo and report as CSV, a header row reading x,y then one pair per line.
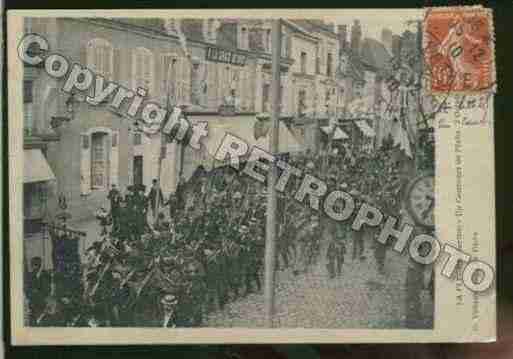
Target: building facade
x,y
208,64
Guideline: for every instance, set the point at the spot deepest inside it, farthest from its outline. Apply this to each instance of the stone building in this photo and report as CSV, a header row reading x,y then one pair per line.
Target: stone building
x,y
218,67
364,69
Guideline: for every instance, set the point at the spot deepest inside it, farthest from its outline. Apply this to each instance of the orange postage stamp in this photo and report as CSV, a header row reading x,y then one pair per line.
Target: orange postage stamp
x,y
458,49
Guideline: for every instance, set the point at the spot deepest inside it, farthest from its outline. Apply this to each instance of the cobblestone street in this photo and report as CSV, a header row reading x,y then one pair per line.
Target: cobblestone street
x,y
360,298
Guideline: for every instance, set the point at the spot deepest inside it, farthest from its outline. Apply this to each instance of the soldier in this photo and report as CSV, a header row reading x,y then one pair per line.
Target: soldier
x,y
114,197
331,254
38,288
152,197
166,315
341,238
119,298
191,309
380,252
358,244
52,316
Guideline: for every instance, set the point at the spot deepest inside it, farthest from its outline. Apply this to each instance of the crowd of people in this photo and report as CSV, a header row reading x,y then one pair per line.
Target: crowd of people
x,y
169,261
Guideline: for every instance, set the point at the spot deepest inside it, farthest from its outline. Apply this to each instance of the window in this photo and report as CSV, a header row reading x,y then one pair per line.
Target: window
x,y
265,98
329,65
244,39
34,199
303,62
301,104
99,161
268,40
317,60
169,69
137,139
142,69
28,92
285,45
27,25
100,57
196,84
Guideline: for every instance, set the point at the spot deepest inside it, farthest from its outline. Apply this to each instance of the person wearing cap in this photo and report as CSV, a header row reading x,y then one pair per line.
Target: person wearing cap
x,y
166,314
38,286
194,294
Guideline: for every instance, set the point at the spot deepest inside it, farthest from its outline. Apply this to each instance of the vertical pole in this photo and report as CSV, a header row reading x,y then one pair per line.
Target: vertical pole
x,y
161,157
271,230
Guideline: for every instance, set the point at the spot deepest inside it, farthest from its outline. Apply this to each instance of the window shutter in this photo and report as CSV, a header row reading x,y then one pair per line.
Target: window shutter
x,y
165,60
130,162
117,65
85,164
114,158
211,85
187,82
148,72
84,54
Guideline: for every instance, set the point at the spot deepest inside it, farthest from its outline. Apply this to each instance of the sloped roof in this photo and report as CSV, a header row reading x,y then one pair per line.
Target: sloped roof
x,y
314,25
354,67
193,29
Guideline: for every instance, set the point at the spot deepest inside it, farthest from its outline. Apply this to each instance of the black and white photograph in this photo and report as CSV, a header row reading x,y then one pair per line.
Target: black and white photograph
x,y
225,172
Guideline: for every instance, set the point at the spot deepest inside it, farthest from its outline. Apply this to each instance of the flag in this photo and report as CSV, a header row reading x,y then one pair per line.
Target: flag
x,y
172,121
400,138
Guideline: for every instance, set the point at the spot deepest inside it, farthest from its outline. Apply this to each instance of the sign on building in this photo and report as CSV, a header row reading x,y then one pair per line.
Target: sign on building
x,y
216,54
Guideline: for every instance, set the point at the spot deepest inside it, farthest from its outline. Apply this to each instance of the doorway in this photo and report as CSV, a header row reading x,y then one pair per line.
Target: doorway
x,y
138,170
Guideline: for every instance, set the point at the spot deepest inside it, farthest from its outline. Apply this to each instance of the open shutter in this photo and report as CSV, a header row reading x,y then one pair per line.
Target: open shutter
x,y
130,166
164,59
186,66
85,164
117,65
211,85
114,158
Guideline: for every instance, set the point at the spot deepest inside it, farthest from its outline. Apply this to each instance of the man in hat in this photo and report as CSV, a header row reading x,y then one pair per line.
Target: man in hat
x,y
38,285
152,197
140,207
114,197
166,313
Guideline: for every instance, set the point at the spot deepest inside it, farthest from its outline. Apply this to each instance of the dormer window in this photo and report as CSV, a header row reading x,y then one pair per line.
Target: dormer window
x,y
170,26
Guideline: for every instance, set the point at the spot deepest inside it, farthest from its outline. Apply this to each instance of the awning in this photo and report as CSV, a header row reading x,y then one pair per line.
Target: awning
x,y
338,135
243,127
365,128
36,168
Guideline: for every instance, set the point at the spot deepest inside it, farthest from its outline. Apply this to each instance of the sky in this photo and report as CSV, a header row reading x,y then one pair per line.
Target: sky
x,y
373,21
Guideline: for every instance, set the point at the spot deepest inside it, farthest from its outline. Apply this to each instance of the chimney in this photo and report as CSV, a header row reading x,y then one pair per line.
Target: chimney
x,y
386,39
396,45
356,36
342,37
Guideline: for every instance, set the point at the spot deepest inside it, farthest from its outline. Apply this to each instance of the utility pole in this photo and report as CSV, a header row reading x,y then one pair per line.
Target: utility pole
x,y
271,225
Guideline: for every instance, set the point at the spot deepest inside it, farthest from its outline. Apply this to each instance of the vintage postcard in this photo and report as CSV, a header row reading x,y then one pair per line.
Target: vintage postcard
x,y
200,176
